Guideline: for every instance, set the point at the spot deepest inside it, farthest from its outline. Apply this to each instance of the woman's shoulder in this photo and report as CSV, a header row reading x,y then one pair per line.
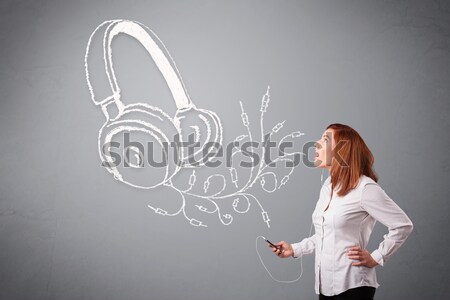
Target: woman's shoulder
x,y
368,185
364,180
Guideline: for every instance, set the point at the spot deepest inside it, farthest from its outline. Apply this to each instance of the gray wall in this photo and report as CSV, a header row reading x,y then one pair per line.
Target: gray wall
x,y
68,230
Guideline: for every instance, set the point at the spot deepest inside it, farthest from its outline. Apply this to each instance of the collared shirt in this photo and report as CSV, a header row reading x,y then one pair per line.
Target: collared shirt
x,y
348,222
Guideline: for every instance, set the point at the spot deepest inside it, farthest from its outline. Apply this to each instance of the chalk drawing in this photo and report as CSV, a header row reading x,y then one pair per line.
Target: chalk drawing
x,y
204,124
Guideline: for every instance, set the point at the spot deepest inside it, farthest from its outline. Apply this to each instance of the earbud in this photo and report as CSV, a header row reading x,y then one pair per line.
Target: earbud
x,y
189,124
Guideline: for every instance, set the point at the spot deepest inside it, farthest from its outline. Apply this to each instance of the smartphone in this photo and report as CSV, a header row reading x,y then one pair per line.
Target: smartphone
x,y
271,244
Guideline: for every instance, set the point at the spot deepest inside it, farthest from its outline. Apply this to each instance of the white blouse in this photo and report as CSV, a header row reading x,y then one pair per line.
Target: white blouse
x,y
348,222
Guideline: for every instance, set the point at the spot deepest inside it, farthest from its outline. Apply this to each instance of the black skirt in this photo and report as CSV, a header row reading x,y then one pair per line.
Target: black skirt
x,y
358,293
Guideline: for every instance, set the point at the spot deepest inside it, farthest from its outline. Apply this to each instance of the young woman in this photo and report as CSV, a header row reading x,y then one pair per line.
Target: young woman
x,y
349,205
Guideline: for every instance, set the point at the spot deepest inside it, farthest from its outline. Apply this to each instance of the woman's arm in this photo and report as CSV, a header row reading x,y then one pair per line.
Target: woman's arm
x,y
296,250
379,205
306,246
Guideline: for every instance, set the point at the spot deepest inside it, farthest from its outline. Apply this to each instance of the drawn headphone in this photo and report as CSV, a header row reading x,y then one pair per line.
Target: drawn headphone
x,y
151,121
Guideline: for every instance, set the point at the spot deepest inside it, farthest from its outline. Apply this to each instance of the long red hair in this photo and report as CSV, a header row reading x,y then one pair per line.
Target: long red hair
x,y
357,159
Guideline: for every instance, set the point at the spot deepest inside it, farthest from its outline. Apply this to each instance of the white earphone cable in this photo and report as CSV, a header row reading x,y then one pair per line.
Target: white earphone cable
x,y
301,257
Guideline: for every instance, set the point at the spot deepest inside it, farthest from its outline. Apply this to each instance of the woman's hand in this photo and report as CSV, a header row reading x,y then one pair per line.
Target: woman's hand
x,y
283,250
364,257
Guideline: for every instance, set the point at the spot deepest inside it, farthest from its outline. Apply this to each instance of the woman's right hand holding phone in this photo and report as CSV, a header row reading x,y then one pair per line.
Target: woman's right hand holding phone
x,y
283,250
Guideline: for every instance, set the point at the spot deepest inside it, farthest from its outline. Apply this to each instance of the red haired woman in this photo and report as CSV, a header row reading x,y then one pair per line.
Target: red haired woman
x,y
349,205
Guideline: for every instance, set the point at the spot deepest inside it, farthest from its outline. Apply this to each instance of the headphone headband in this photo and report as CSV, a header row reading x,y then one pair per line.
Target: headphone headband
x,y
163,61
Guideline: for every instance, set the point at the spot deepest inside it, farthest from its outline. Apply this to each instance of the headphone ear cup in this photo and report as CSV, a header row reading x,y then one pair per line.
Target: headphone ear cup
x,y
136,146
200,126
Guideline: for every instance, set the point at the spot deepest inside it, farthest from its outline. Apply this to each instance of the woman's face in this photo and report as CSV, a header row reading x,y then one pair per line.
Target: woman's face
x,y
323,149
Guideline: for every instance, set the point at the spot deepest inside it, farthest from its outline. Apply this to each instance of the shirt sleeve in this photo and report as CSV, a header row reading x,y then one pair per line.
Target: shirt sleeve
x,y
306,246
380,206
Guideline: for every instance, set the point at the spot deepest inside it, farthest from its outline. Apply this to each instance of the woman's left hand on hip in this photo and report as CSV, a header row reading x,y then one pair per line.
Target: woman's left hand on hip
x,y
362,255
